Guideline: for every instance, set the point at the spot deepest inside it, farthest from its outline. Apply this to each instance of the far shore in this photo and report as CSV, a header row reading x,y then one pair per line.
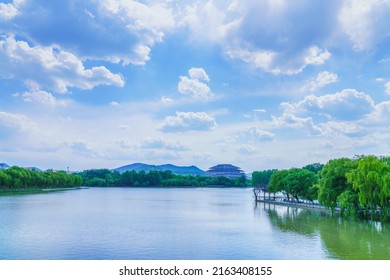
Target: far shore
x,y
10,192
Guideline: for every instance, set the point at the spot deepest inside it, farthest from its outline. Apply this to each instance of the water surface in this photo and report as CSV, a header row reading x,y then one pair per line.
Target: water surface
x,y
157,223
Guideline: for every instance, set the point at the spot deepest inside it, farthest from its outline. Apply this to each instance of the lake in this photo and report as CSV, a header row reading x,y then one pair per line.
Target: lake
x,y
177,224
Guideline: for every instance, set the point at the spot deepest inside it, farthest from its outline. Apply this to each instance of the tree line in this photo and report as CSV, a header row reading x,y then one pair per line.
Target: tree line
x,y
22,178
107,178
358,186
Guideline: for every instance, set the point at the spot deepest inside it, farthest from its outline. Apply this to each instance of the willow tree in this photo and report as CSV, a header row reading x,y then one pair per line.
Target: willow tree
x,y
333,181
371,178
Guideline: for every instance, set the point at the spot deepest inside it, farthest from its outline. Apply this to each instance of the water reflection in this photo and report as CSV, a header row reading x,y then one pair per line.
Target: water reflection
x,y
342,238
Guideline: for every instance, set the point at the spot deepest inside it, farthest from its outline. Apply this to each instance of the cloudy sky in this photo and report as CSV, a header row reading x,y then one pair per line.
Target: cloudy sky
x,y
259,83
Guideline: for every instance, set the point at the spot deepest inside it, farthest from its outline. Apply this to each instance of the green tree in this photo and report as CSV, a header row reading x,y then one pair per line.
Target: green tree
x,y
5,180
348,202
314,167
278,182
261,178
332,181
371,179
299,181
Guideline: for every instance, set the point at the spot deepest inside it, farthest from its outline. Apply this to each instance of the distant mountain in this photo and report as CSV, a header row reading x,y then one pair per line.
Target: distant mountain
x,y
33,168
4,166
179,170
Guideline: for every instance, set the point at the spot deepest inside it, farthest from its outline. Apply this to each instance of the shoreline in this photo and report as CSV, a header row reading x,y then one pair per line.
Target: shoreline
x,y
11,192
302,205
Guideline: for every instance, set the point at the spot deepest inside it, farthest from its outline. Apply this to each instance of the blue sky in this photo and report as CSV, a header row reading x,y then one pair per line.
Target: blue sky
x,y
260,83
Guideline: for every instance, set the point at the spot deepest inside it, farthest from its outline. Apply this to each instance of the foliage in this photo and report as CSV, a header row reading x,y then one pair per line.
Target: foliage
x,y
21,178
314,167
295,182
105,177
299,182
332,181
278,182
261,178
371,179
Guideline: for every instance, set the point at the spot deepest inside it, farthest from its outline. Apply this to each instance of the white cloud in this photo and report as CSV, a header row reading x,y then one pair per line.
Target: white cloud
x,y
380,115
277,63
10,10
387,87
315,56
187,121
119,31
40,96
365,22
16,121
350,129
114,104
349,104
198,74
322,79
256,135
147,22
161,143
166,100
208,20
193,85
265,34
292,121
51,67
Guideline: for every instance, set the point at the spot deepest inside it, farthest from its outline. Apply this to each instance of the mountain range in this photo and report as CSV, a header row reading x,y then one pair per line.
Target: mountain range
x,y
4,166
179,170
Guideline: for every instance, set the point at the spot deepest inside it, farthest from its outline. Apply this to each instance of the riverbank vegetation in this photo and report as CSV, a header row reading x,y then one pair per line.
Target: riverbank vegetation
x,y
21,180
108,178
357,187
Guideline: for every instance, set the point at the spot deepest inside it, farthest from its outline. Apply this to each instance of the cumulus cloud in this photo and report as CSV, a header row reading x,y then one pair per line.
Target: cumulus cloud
x,y
292,121
161,143
365,22
322,79
10,10
266,34
51,67
193,84
16,121
380,114
146,23
348,104
350,129
187,121
16,127
198,74
277,62
387,87
119,31
255,135
40,96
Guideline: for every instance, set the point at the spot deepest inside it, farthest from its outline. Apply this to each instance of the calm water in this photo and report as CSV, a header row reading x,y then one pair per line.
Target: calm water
x,y
136,223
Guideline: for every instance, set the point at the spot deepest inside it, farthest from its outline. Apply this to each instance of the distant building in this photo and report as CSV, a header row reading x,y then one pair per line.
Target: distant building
x,y
225,170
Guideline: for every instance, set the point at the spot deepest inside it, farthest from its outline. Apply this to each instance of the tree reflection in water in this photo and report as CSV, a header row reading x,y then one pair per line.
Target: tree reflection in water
x,y
343,238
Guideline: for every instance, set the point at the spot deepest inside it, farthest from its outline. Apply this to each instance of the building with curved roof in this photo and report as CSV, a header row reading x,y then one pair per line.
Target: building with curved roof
x,y
225,170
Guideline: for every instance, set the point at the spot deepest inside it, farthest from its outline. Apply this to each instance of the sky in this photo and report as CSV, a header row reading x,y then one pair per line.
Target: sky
x,y
261,84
